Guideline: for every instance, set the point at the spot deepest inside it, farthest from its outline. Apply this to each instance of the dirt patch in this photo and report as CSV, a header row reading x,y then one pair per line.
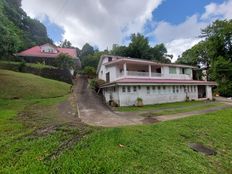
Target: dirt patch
x,y
150,114
150,120
202,148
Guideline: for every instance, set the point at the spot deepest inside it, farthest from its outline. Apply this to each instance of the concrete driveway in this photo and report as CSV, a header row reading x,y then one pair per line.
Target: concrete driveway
x,y
93,111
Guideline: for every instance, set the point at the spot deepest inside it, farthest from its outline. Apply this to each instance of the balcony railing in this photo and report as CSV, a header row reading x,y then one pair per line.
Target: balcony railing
x,y
139,74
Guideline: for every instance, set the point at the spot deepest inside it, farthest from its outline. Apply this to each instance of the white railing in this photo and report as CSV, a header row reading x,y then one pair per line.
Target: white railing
x,y
139,74
136,73
156,74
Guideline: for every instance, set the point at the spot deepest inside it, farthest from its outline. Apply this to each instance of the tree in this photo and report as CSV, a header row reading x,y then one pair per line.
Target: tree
x,y
64,61
214,53
139,47
66,44
90,71
17,30
119,50
159,53
86,50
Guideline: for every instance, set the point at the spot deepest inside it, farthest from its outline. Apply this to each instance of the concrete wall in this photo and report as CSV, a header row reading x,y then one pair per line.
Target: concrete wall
x,y
209,94
156,94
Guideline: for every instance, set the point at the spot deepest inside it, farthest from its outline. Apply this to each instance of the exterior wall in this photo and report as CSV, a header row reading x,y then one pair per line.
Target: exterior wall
x,y
48,49
156,95
111,93
209,92
135,72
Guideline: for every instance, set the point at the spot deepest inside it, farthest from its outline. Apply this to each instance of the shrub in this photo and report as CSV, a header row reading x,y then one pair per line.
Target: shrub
x,y
139,102
96,83
89,71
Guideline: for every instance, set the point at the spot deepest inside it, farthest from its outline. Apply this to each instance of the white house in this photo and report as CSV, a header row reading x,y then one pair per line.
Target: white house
x,y
128,79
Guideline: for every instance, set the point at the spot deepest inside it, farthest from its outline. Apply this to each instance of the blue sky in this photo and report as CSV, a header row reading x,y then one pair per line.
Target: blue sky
x,y
176,23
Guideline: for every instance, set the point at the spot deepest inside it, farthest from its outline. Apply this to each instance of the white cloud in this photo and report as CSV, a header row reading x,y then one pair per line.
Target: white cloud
x,y
178,46
99,22
223,10
183,36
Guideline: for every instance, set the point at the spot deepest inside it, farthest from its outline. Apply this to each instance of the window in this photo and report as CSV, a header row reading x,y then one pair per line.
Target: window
x,y
139,87
109,59
134,88
123,89
153,88
159,89
174,89
177,89
114,88
101,72
128,89
172,70
148,89
108,77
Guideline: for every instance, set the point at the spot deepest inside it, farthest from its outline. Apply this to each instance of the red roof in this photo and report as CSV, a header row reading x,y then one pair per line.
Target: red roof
x,y
162,81
36,52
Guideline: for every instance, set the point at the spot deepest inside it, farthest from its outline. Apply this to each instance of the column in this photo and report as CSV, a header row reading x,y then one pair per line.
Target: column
x,y
149,70
124,69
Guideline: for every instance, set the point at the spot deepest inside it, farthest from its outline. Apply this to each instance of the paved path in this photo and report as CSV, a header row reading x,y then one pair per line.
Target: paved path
x,y
94,112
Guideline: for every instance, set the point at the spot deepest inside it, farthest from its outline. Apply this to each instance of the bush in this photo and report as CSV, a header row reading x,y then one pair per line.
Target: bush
x,y
89,71
139,102
96,83
64,61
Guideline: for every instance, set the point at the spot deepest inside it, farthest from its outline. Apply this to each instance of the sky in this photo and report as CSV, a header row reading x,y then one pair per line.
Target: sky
x,y
176,23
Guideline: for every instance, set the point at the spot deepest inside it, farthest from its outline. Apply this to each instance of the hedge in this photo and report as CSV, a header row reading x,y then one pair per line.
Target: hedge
x,y
46,71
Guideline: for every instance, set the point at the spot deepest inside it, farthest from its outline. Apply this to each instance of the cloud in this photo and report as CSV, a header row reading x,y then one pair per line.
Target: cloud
x,y
99,22
180,37
214,10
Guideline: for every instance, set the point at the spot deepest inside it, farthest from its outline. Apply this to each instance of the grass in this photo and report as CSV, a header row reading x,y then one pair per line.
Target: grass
x,y
166,106
167,111
28,86
34,140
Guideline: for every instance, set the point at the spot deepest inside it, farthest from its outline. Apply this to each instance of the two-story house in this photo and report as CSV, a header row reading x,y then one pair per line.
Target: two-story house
x,y
46,54
128,79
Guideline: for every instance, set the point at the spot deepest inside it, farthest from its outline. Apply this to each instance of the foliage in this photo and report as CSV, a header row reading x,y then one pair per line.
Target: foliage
x,y
17,30
139,48
64,61
214,53
66,44
95,83
87,49
90,71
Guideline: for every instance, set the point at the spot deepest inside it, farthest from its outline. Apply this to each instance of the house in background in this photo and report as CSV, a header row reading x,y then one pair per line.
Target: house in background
x,y
128,79
46,54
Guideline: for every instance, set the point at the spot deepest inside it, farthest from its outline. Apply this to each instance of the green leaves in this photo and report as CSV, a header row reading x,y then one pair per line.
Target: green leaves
x,y
214,53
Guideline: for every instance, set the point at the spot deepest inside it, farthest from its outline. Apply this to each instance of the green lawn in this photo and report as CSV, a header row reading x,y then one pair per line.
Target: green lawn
x,y
34,140
29,86
167,108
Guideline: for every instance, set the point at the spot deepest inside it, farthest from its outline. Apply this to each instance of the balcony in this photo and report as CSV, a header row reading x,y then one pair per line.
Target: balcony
x,y
138,74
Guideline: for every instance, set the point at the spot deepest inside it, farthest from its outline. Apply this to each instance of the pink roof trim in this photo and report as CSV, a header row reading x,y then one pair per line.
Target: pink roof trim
x,y
162,81
36,52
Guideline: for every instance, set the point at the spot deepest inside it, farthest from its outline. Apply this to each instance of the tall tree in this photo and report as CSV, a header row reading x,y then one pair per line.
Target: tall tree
x,y
159,53
214,53
17,30
86,50
139,47
66,44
